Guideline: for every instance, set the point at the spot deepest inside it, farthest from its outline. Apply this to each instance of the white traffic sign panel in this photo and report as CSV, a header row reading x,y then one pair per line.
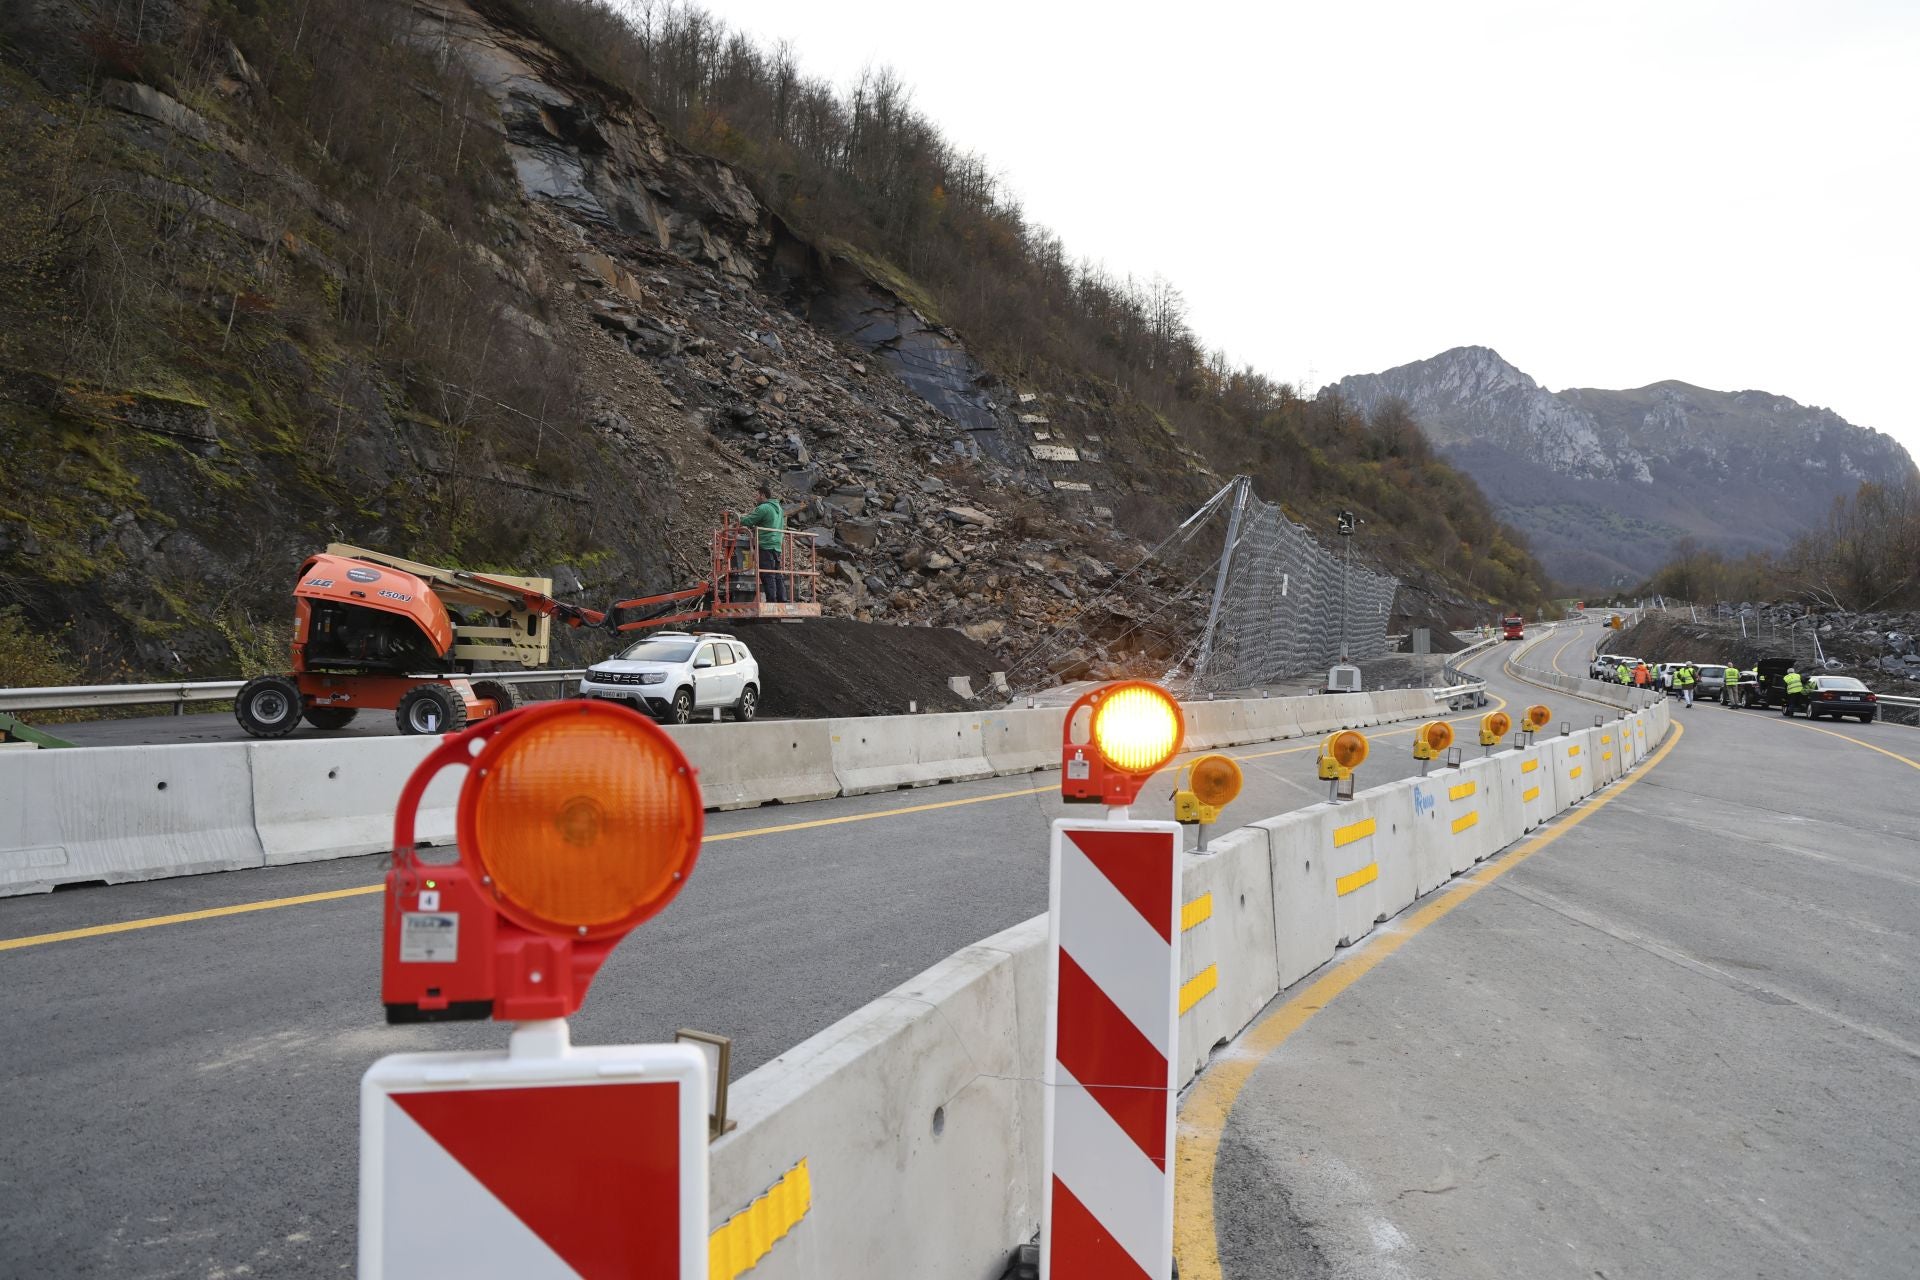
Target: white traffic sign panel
x,y
547,1161
1113,1013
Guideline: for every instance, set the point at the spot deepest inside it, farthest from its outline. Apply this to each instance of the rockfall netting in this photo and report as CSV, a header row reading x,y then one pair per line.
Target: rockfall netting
x,y
1286,604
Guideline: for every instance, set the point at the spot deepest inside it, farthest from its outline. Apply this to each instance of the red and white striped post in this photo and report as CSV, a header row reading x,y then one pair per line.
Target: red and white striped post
x,y
1113,970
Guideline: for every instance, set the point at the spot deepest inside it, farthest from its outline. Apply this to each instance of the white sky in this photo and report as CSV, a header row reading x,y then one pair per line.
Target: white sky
x,y
1607,193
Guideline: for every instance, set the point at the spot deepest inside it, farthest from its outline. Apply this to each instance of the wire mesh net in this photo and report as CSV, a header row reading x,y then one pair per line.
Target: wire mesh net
x,y
1288,605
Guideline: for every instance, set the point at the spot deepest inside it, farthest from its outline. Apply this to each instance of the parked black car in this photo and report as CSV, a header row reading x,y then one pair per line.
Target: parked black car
x,y
1839,696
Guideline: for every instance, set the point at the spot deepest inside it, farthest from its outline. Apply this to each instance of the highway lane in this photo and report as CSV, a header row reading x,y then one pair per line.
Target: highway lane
x,y
181,1095
1677,1038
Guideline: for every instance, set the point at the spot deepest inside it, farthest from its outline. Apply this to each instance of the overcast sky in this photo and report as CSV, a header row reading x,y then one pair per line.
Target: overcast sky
x,y
1607,194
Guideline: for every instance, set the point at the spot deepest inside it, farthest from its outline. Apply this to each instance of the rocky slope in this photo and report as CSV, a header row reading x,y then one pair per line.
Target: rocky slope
x,y
1604,482
426,285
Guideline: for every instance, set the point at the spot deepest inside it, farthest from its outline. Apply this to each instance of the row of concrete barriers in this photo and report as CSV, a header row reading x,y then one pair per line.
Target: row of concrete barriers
x,y
117,814
918,1117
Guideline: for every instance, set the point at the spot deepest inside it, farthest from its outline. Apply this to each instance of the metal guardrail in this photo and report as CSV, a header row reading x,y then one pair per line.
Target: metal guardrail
x,y
65,697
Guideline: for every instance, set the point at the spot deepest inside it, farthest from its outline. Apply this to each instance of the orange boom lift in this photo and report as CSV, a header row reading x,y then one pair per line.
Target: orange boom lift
x,y
376,632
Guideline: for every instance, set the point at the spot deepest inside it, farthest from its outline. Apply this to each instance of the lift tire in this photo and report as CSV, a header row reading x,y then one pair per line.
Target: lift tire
x,y
331,718
505,696
431,708
268,706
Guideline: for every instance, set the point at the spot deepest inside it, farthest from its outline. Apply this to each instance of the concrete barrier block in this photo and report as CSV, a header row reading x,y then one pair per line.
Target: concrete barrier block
x,y
1209,725
1337,858
335,797
1305,932
918,1116
1273,718
1024,740
116,814
1453,828
1501,811
1533,778
880,753
1607,752
1320,714
1229,969
743,765
1398,882
1573,768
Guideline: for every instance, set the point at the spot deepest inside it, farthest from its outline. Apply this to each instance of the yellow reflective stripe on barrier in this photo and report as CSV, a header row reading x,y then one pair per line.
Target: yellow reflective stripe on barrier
x,y
1195,912
1529,795
1199,987
1605,738
739,1243
1528,766
1352,831
1573,750
1461,824
1606,755
1356,880
1462,791
1575,773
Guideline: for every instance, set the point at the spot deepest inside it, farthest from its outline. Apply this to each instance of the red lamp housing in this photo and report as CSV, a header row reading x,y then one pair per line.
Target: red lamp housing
x,y
1114,738
576,822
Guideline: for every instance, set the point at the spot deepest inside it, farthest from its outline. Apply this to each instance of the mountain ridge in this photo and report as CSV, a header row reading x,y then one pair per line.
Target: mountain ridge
x,y
1604,482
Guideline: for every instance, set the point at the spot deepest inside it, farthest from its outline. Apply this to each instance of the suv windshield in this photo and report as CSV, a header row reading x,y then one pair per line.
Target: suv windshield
x,y
659,651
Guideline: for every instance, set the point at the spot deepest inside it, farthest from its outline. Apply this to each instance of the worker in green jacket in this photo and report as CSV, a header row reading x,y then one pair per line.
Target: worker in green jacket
x,y
1683,678
770,518
1796,692
1623,674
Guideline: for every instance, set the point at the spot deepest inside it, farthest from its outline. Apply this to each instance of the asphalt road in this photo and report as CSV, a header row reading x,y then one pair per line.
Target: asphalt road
x,y
1681,1039
180,1099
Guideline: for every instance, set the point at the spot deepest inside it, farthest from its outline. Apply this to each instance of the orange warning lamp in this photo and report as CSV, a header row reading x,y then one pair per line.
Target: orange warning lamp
x,y
1432,739
1539,716
577,821
1493,727
1114,738
1341,754
1212,783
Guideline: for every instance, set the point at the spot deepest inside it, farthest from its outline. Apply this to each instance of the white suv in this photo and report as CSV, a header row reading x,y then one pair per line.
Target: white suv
x,y
674,676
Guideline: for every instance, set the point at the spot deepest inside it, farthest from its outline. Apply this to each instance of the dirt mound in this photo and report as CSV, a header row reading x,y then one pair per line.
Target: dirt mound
x,y
837,667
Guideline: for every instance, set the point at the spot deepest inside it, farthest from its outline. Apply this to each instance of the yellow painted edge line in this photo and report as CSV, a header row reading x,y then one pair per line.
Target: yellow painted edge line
x,y
1895,755
1466,820
152,922
1199,987
1356,880
1529,795
1528,766
1462,791
738,1244
1203,1116
1196,912
1353,831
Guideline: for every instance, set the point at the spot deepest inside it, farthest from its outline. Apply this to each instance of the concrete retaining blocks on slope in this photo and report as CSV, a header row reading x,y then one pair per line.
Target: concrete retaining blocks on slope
x,y
880,753
115,814
743,765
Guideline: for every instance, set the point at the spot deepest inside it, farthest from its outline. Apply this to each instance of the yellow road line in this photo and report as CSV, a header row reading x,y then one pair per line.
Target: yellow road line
x,y
1356,880
1196,912
153,922
1895,755
1203,1116
1199,987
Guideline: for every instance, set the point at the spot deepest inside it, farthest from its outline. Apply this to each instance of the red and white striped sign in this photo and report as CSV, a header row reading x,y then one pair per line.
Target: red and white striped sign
x,y
586,1163
1112,1015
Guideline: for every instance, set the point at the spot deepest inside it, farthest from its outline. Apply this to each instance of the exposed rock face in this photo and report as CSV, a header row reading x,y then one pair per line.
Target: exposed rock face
x,y
1604,482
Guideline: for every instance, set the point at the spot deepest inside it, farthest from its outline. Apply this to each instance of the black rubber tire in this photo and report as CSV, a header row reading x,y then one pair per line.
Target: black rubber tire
x,y
1867,718
681,712
331,718
748,706
431,709
506,697
268,706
